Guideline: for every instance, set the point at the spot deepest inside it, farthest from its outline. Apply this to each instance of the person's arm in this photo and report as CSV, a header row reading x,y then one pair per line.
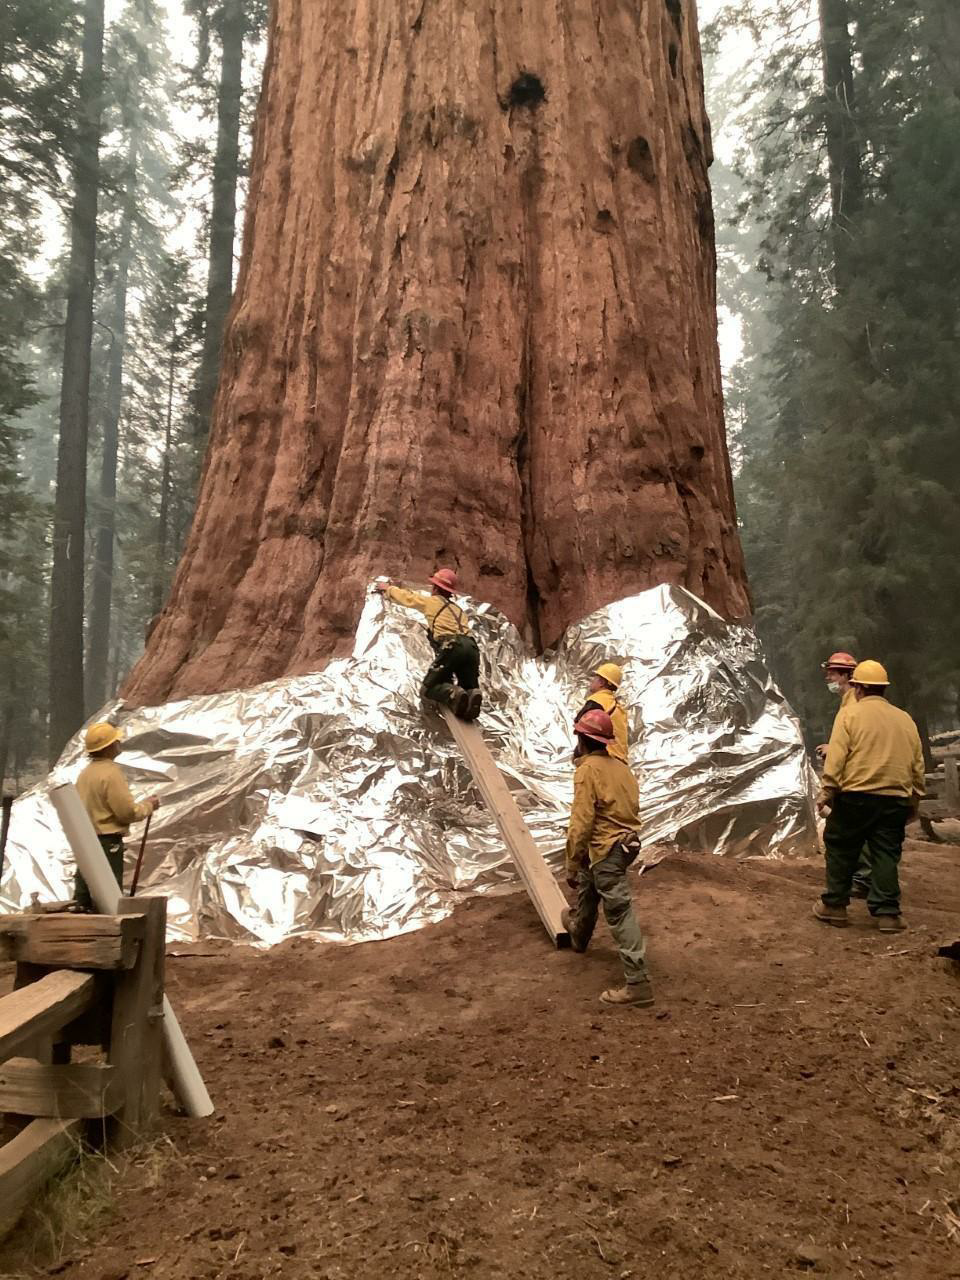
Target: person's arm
x,y
408,599
919,771
122,804
838,749
581,822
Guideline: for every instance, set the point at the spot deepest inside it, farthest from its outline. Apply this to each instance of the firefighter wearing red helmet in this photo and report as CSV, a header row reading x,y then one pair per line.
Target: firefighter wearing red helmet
x,y
603,840
457,655
837,671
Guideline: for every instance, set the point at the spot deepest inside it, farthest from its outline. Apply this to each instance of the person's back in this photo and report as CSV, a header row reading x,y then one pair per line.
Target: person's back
x,y
882,753
616,795
606,700
106,797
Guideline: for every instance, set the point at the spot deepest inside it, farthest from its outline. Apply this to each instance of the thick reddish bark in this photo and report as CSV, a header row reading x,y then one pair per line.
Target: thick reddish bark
x,y
475,324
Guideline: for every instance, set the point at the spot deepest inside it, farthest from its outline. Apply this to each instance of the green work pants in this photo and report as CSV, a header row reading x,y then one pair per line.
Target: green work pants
x,y
859,818
862,874
457,659
112,846
606,882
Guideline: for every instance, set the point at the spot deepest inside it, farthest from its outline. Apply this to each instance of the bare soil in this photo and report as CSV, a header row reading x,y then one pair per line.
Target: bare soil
x,y
456,1101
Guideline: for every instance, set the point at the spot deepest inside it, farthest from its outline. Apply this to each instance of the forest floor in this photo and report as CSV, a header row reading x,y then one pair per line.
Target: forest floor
x,y
456,1101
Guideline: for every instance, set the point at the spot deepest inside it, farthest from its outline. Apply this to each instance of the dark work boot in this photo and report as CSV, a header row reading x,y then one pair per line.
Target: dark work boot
x,y
474,704
459,703
566,919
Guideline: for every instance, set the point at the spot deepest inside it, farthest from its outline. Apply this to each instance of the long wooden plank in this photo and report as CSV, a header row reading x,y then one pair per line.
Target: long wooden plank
x,y
73,1091
29,1160
40,1008
538,880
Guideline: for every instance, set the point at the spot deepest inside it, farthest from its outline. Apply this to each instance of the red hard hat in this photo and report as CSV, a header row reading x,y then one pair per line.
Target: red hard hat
x,y
446,580
844,660
596,725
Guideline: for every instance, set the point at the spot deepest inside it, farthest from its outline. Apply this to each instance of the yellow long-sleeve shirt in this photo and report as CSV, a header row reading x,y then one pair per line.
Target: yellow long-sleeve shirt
x,y
605,808
606,700
874,747
107,799
444,618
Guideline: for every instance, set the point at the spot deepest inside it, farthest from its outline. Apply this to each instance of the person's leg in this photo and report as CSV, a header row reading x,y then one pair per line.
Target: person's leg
x,y
437,684
843,838
610,877
81,893
886,846
582,920
861,877
466,658
112,847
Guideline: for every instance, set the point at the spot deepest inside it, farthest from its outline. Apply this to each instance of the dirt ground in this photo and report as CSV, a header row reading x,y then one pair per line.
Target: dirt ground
x,y
456,1102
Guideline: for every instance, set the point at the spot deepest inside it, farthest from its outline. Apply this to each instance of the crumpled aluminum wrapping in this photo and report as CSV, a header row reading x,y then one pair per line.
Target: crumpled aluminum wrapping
x,y
336,805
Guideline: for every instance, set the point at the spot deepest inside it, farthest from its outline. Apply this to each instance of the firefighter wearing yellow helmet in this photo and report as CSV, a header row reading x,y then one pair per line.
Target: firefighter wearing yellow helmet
x,y
108,802
602,696
873,781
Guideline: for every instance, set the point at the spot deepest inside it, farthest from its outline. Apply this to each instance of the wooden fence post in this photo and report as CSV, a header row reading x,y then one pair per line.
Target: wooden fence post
x,y
951,784
136,1032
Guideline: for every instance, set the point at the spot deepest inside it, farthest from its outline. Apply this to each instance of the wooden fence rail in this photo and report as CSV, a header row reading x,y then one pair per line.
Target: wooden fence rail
x,y
81,980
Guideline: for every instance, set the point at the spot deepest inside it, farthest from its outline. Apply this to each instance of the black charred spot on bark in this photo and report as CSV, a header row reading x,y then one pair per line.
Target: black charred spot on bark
x,y
526,91
675,10
696,452
640,159
491,571
391,175
705,224
605,220
673,53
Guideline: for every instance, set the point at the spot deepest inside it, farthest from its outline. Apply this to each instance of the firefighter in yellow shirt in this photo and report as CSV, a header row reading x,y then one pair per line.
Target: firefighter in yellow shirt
x,y
837,671
873,782
602,696
108,802
603,840
457,655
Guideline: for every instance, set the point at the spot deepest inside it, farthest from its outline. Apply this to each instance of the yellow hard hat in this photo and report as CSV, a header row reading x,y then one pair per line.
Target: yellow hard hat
x,y
869,672
610,672
100,736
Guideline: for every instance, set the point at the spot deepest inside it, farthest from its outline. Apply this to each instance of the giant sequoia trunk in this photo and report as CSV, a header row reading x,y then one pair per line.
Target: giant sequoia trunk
x,y
474,325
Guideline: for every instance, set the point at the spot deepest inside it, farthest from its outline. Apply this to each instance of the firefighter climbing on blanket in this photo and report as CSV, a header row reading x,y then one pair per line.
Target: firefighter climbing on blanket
x,y
457,655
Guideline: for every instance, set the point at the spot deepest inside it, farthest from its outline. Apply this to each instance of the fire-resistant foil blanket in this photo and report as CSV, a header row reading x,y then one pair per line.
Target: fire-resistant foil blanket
x,y
337,805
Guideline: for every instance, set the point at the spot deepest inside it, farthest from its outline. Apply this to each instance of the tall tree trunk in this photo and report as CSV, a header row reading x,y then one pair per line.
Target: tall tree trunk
x,y
475,324
942,24
66,585
98,639
223,212
6,730
163,523
843,139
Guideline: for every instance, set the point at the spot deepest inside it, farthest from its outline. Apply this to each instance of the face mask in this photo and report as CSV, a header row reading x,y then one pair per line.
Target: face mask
x,y
834,687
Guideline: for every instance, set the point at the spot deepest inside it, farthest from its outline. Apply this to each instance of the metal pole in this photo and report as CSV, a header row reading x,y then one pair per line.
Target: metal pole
x,y
7,803
143,845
